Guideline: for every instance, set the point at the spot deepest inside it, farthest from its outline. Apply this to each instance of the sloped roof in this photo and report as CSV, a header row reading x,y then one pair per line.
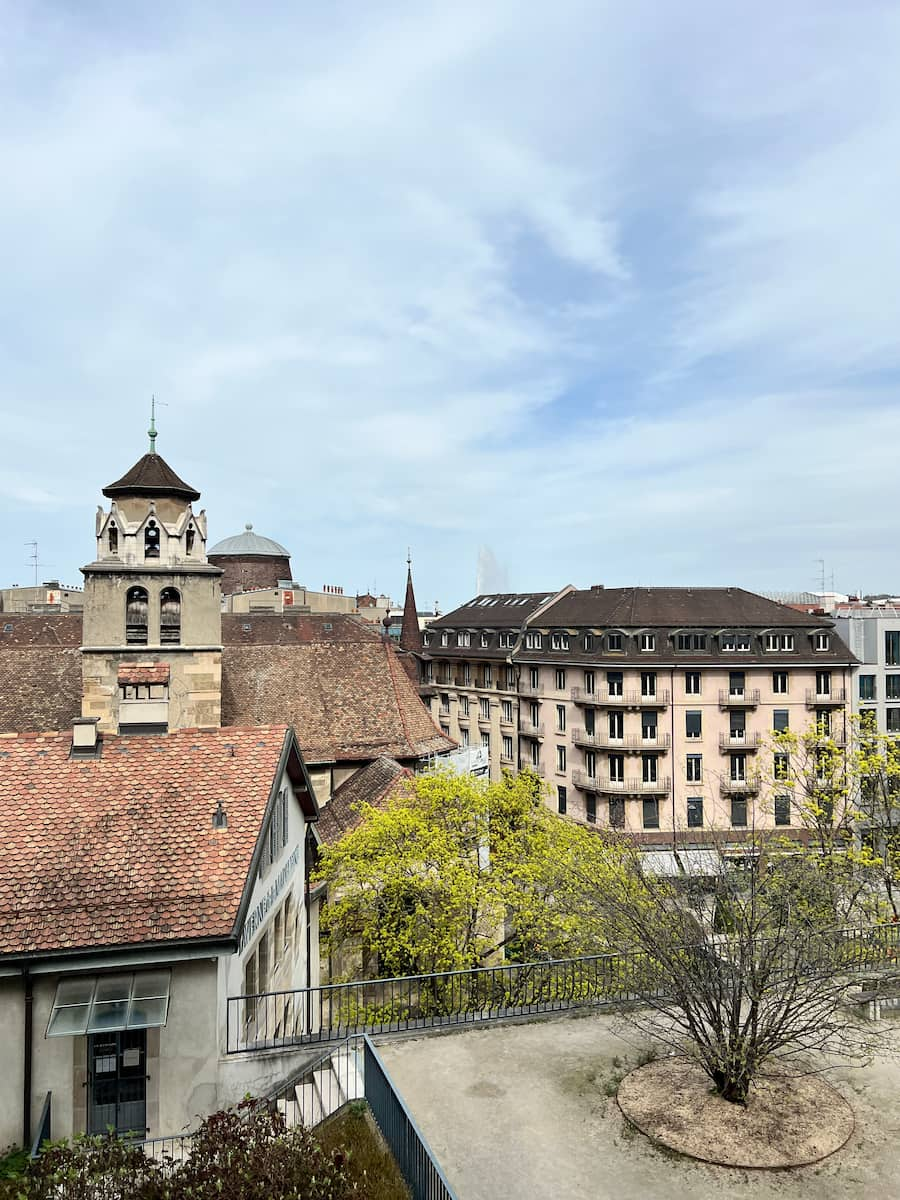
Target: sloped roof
x,y
151,476
636,607
374,785
120,849
493,610
410,634
248,545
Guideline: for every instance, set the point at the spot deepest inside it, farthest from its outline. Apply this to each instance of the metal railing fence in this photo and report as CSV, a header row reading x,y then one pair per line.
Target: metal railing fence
x,y
333,1012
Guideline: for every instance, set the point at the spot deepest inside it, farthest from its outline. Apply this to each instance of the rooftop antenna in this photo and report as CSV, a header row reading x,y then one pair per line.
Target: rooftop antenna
x,y
151,432
34,560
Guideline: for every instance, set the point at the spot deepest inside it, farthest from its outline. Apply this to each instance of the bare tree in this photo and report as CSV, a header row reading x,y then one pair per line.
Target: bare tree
x,y
760,986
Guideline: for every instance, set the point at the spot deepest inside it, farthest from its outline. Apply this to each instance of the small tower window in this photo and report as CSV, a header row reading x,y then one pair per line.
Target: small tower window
x,y
151,540
136,609
189,540
170,615
113,538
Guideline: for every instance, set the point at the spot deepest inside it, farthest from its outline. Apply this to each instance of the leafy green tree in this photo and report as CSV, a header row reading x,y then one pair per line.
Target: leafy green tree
x,y
457,871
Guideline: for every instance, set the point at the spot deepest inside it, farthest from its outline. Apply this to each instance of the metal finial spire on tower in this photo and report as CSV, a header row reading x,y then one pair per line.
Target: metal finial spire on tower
x,y
408,557
152,430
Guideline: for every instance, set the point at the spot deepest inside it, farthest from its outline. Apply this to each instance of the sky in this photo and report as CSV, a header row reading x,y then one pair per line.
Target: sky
x,y
543,293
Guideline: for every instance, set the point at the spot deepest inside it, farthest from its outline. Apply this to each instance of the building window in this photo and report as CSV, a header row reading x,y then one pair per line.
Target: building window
x,y
781,766
892,687
588,641
589,682
445,702
484,640
560,681
738,768
892,648
590,809
648,641
614,641
561,718
485,741
590,764
736,683
649,768
488,672
648,684
780,720
694,768
559,641
726,642
511,678
589,721
692,683
780,683
560,760
532,641
867,687
485,706
534,678
507,751
821,641
651,813
649,729
534,714
739,812
782,810
695,812
170,616
614,682
464,736
467,674
189,540
617,814
617,767
616,726
737,726
690,641
464,639
823,722
506,712
137,607
445,638
693,724
744,643
113,538
507,640
464,706
893,720
561,798
151,540
823,683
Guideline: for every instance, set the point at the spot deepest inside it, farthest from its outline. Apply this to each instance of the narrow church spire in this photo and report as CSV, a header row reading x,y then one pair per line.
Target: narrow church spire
x,y
410,634
152,430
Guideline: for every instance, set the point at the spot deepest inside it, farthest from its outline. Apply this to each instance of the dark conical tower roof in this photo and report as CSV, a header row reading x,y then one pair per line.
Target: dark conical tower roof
x,y
151,476
410,634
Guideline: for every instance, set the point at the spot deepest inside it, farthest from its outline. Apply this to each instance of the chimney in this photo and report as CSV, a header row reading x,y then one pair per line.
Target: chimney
x,y
85,741
597,587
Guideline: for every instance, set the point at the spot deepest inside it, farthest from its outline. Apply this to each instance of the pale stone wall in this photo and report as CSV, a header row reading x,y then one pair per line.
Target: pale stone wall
x,y
195,686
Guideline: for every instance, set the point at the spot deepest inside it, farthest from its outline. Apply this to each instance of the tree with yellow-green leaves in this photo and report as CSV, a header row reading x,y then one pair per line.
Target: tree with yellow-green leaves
x,y
457,872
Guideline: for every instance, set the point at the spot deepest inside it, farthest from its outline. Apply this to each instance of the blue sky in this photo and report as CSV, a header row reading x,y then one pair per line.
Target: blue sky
x,y
608,292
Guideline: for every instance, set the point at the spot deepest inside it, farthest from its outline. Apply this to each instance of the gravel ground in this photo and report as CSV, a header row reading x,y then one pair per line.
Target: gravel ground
x,y
528,1112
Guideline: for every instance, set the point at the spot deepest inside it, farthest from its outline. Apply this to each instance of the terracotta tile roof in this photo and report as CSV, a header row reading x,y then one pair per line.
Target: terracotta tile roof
x,y
374,785
143,672
331,676
121,849
346,700
151,476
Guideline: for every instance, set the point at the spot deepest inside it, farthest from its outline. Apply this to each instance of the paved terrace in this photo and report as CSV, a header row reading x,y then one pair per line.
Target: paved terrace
x,y
521,1112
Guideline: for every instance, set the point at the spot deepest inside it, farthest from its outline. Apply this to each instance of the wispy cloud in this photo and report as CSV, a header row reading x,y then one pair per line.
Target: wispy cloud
x,y
611,290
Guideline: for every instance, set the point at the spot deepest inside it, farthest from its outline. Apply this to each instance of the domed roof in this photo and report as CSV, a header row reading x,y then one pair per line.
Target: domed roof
x,y
246,544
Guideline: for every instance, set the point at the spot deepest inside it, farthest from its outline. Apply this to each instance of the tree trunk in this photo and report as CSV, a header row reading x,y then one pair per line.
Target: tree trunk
x,y
732,1086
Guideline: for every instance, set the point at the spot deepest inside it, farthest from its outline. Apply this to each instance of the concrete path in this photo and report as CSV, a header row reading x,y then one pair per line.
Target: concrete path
x,y
525,1112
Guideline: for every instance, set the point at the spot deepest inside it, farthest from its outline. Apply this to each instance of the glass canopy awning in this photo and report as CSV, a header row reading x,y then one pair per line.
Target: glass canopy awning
x,y
108,1003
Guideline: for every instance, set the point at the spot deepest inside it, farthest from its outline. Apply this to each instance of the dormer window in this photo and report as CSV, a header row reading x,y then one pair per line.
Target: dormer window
x,y
614,641
778,641
113,538
648,642
189,540
151,540
170,616
485,639
136,609
821,642
445,638
559,641
690,641
533,641
726,643
463,639
588,641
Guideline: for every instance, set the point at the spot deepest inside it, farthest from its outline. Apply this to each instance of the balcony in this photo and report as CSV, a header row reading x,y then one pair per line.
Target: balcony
x,y
427,688
835,698
606,699
503,686
634,744
508,722
538,768
528,689
739,698
484,720
742,787
526,729
739,741
463,718
621,787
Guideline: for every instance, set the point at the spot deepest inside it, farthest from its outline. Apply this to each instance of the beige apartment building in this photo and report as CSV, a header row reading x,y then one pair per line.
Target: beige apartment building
x,y
644,709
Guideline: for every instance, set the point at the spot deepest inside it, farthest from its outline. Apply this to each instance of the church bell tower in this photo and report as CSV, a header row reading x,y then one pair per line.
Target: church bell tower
x,y
152,643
